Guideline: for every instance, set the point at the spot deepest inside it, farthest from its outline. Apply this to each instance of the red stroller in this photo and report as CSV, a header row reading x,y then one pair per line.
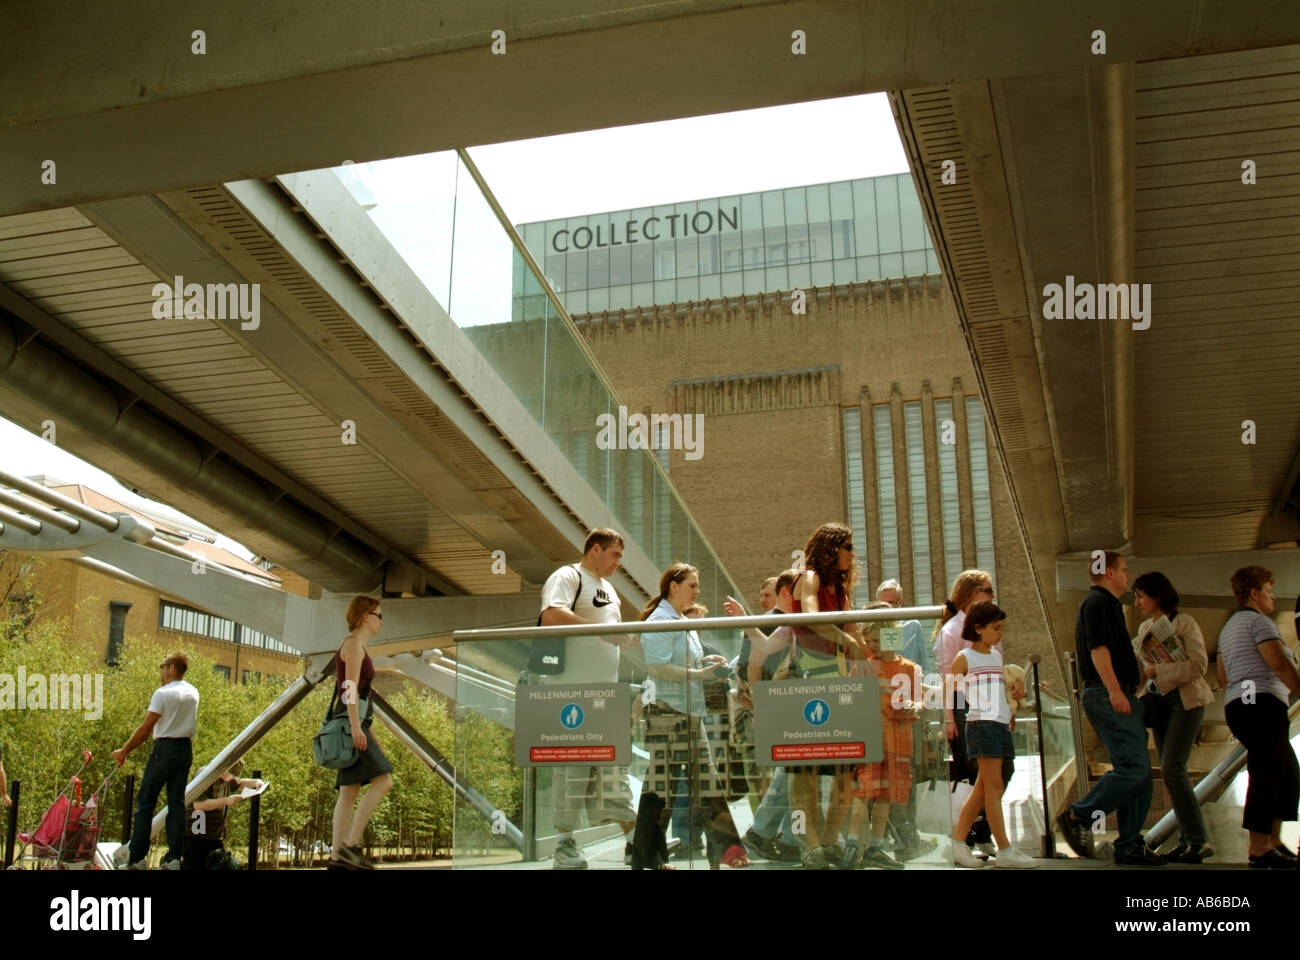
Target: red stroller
x,y
68,833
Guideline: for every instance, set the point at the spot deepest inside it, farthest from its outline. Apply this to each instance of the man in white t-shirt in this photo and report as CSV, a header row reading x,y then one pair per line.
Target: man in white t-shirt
x,y
171,719
579,594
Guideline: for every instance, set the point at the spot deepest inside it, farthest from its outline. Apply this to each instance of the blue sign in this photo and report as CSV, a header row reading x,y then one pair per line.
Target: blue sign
x,y
571,716
816,712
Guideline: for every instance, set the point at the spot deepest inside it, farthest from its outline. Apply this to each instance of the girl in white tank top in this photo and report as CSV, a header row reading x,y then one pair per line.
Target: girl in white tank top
x,y
988,735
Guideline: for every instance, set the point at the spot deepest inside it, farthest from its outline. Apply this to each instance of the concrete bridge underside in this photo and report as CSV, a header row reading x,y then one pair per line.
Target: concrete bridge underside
x,y
1122,167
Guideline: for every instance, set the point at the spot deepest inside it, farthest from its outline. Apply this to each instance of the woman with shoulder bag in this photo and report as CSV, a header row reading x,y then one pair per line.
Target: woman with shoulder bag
x,y
353,674
1173,697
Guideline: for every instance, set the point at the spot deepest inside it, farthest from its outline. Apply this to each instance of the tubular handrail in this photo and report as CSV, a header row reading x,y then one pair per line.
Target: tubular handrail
x,y
1210,787
703,623
53,497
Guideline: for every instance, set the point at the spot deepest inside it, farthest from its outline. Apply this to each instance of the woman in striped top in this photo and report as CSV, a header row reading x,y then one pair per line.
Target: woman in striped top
x,y
1256,673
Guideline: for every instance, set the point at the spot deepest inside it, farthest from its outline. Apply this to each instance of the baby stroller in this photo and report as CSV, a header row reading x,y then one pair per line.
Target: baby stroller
x,y
68,832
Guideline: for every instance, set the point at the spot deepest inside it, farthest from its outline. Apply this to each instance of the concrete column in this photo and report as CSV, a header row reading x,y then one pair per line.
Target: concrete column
x,y
898,429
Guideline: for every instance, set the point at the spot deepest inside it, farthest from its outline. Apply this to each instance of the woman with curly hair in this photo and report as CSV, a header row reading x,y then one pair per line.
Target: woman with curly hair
x,y
825,586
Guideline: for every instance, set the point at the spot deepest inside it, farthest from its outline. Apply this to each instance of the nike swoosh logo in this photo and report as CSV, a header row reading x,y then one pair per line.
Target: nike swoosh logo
x,y
596,602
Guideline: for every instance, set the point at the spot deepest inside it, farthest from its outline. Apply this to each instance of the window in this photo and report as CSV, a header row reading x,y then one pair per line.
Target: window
x,y
887,223
946,427
981,501
598,268
665,260
248,676
709,255
173,616
642,262
223,672
885,485
864,217
853,483
916,495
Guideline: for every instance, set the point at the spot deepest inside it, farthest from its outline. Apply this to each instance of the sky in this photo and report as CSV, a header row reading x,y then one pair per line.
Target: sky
x,y
569,175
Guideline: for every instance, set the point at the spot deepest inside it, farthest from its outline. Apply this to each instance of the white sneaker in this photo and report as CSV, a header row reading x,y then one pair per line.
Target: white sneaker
x,y
1015,860
962,857
568,857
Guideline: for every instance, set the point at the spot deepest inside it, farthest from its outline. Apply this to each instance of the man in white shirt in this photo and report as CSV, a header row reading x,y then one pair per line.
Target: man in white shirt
x,y
579,594
171,719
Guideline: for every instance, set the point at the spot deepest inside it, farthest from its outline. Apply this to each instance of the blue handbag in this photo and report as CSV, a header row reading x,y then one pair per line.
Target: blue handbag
x,y
332,746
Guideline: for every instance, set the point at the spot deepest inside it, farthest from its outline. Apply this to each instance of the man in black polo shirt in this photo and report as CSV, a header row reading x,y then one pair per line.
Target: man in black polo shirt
x,y
1110,675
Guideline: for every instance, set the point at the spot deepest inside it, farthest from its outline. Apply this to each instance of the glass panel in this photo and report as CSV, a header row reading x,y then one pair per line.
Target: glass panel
x,y
853,484
709,255
946,428
864,210
887,225
914,263
685,750
796,206
620,265
885,491
922,587
820,247
981,502
598,268
868,268
891,265
912,220
688,257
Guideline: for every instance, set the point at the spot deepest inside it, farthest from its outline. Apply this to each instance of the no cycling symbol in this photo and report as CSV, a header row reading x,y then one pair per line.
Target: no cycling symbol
x,y
816,712
571,716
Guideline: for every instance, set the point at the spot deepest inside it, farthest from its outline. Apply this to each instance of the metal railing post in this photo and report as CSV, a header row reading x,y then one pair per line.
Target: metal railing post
x,y
254,815
1076,723
128,802
1049,840
11,831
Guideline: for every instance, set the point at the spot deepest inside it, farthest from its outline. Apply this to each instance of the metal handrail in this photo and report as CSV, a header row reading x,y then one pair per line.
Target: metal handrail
x,y
704,623
1212,786
67,504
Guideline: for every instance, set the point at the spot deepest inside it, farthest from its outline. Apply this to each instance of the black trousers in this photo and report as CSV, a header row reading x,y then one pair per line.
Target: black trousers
x,y
967,768
1273,791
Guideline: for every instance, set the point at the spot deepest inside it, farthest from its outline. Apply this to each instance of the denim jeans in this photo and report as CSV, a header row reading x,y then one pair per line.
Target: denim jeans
x,y
1125,789
1175,734
169,768
774,810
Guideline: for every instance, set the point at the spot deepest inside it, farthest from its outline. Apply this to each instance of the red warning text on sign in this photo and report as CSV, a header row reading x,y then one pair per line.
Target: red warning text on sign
x,y
570,754
820,751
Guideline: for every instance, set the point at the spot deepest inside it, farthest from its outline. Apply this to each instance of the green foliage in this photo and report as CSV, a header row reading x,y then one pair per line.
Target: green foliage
x,y
43,749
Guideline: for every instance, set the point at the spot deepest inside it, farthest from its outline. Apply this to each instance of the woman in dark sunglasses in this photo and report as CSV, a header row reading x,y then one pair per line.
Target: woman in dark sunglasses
x,y
352,677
